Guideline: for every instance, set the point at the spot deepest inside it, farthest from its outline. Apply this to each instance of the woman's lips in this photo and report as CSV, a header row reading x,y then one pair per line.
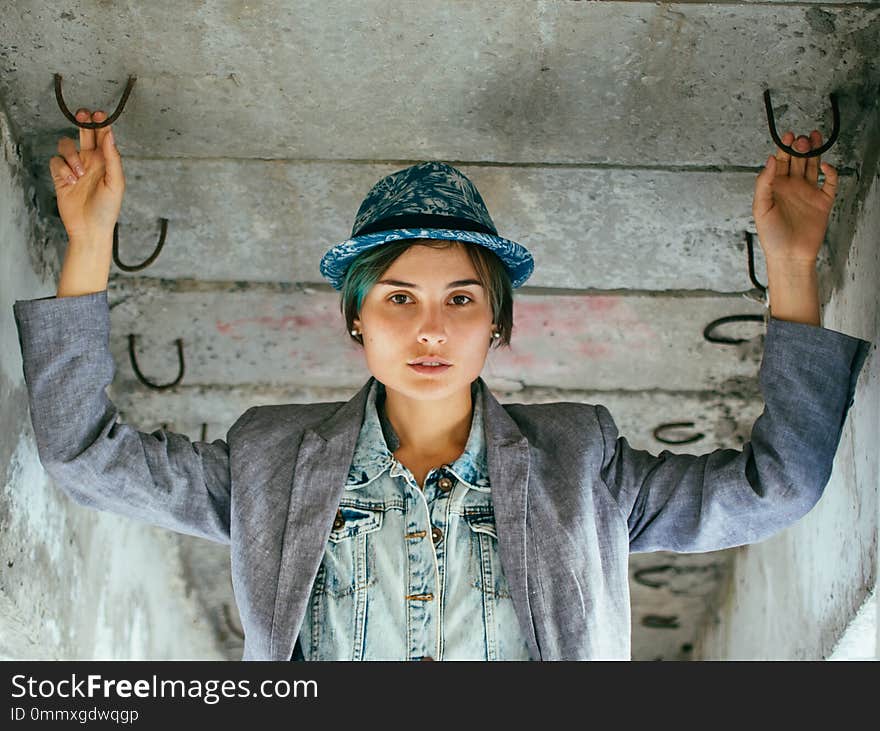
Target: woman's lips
x,y
429,369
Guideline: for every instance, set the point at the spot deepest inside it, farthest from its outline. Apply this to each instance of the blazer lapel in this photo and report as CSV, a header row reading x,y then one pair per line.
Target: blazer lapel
x,y
322,464
507,457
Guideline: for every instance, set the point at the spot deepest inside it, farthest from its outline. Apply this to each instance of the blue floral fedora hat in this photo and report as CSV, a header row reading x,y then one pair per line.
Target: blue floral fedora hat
x,y
431,200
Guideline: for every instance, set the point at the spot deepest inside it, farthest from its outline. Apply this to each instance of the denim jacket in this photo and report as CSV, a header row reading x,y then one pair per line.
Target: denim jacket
x,y
412,574
571,497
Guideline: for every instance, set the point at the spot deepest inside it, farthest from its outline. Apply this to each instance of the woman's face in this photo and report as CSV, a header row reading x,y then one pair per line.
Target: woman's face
x,y
417,309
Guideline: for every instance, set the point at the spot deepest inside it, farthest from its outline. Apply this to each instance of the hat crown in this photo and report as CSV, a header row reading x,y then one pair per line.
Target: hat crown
x,y
430,200
430,188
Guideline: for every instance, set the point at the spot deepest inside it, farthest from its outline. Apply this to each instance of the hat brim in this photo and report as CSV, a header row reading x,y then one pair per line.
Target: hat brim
x,y
516,258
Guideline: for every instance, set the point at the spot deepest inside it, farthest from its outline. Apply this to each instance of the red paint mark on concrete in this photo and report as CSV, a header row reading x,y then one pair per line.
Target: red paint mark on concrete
x,y
601,327
591,349
523,360
237,329
565,316
601,303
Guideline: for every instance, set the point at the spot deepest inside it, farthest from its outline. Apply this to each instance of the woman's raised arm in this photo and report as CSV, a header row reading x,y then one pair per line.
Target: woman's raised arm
x,y
161,478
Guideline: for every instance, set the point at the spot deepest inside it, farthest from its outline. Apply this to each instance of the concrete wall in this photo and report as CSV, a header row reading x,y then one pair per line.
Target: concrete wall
x,y
74,583
810,592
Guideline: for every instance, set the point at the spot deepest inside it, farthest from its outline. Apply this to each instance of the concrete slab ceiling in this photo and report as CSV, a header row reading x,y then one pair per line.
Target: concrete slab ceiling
x,y
619,141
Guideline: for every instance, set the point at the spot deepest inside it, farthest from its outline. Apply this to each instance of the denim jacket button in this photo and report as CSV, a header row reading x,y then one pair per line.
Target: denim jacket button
x,y
445,484
339,521
436,534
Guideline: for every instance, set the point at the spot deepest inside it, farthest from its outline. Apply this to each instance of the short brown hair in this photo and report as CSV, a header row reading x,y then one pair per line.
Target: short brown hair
x,y
369,266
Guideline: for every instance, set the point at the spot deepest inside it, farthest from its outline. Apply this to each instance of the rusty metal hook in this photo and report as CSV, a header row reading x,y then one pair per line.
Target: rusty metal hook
x,y
657,621
149,260
751,248
790,150
639,576
59,97
730,318
141,376
231,625
669,425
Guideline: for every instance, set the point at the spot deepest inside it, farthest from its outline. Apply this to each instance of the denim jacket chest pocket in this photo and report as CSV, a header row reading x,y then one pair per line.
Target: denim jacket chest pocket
x,y
349,561
484,563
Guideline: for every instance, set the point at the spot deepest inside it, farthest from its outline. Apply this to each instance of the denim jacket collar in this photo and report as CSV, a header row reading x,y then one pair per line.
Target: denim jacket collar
x,y
377,441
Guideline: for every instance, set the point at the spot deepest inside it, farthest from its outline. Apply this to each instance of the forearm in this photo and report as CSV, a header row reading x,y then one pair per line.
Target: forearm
x,y
793,291
86,267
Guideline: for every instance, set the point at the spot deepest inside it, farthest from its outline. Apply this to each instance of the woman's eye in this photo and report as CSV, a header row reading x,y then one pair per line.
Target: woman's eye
x,y
397,302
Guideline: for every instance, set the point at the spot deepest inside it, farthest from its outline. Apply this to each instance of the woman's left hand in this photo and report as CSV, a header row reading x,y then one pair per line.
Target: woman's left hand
x,y
790,211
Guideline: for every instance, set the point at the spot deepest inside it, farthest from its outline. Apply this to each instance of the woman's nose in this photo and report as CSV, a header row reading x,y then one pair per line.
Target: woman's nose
x,y
432,335
432,329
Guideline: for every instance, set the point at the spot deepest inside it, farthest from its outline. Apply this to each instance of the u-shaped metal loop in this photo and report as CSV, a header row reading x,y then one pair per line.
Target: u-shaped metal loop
x,y
142,378
59,97
149,260
707,331
660,621
751,247
790,150
673,424
639,576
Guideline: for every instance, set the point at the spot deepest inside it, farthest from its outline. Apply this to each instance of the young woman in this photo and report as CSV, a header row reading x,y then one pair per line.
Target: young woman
x,y
422,519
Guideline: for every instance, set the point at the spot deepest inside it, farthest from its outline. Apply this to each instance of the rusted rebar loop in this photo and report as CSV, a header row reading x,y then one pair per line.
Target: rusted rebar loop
x,y
790,150
658,621
751,248
674,424
142,378
59,97
707,331
639,576
230,623
149,260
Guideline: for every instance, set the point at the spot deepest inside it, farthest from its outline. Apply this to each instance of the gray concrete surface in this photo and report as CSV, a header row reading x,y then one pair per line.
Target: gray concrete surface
x,y
619,141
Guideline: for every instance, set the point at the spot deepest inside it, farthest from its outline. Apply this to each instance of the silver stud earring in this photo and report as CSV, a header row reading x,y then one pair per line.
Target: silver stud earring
x,y
354,332
496,335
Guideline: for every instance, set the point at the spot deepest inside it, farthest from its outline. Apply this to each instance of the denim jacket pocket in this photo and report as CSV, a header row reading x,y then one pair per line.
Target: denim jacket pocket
x,y
484,564
349,561
352,522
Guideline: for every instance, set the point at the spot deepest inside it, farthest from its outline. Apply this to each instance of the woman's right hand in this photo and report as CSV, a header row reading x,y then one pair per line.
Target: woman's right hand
x,y
90,206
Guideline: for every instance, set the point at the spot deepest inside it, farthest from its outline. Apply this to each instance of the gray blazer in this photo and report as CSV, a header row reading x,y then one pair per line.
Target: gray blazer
x,y
574,497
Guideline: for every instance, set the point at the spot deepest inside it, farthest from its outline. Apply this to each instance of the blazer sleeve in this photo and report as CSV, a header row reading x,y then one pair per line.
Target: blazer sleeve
x,y
161,478
689,503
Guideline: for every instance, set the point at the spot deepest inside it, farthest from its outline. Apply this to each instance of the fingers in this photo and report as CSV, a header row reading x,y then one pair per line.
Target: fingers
x,y
69,167
61,173
100,134
763,199
798,165
782,157
829,187
812,170
114,177
69,153
804,167
86,136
